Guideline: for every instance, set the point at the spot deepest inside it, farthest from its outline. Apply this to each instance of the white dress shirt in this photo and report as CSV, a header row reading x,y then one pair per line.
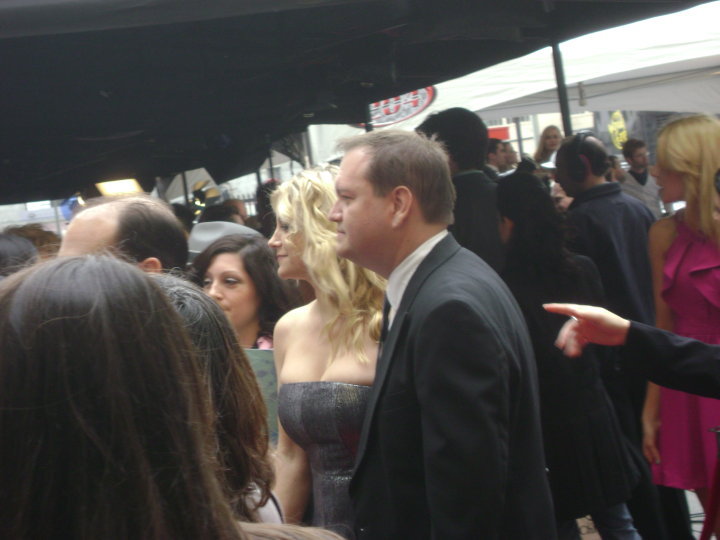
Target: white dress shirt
x,y
400,276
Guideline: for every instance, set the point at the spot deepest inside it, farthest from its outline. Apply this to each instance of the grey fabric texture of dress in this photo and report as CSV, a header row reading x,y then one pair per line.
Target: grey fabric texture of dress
x,y
325,419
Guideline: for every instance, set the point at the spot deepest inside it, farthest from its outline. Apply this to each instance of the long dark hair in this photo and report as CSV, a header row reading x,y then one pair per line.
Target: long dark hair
x,y
240,411
277,297
537,244
104,428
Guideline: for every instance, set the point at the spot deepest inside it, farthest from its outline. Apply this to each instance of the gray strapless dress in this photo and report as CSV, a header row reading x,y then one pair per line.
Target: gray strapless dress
x,y
325,420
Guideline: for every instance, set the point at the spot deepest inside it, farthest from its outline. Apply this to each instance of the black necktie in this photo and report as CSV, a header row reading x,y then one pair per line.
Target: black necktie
x,y
386,320
385,325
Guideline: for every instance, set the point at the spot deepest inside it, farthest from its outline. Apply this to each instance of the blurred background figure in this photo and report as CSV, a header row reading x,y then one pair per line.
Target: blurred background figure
x,y
221,212
239,205
240,273
238,406
47,243
265,216
590,471
511,158
495,158
685,257
15,254
637,180
185,216
616,172
549,142
325,355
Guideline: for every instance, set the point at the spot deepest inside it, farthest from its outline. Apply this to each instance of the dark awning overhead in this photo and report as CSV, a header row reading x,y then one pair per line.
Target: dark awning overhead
x,y
100,89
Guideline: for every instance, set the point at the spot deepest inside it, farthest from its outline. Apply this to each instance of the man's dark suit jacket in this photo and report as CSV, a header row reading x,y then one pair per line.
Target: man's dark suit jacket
x,y
673,361
451,445
612,229
476,217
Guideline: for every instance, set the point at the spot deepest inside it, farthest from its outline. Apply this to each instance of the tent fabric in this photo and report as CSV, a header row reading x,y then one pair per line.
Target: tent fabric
x,y
669,63
100,89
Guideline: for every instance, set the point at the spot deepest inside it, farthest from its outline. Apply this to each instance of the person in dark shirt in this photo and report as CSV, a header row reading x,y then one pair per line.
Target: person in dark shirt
x,y
465,138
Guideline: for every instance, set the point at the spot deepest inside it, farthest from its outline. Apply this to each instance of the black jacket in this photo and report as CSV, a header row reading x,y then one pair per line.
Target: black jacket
x,y
476,218
588,461
451,446
673,361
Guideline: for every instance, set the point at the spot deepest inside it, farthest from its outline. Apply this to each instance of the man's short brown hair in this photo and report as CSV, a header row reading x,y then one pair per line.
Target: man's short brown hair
x,y
403,158
630,146
147,227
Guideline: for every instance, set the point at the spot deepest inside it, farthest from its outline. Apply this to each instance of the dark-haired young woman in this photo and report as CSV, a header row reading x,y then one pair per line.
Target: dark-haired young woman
x,y
240,273
589,469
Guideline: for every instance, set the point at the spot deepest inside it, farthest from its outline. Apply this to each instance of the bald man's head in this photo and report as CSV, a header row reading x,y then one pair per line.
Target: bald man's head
x,y
141,229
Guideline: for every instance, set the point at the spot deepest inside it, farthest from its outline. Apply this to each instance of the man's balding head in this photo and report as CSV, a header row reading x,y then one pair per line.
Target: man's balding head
x,y
141,229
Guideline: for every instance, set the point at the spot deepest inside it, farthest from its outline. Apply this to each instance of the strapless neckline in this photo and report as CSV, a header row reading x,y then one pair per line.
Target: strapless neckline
x,y
328,382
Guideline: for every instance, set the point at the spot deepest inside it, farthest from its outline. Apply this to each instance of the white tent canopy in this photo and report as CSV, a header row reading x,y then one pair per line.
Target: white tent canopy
x,y
685,86
668,63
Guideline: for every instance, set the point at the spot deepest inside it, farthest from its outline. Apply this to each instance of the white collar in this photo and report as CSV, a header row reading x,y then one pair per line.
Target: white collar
x,y
400,276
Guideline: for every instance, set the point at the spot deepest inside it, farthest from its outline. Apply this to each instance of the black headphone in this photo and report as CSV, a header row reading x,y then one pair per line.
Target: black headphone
x,y
578,163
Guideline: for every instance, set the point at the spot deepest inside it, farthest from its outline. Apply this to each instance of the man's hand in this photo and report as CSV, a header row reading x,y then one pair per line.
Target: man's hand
x,y
588,324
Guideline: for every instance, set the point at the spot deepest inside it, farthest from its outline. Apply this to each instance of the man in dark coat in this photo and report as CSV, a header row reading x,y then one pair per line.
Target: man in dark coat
x,y
451,444
611,228
465,138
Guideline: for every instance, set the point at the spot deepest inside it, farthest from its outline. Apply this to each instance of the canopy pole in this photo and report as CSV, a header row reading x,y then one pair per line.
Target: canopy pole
x,y
185,189
518,133
270,161
561,88
368,119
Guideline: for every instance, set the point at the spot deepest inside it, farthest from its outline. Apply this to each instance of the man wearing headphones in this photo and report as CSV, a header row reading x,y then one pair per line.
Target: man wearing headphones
x,y
611,228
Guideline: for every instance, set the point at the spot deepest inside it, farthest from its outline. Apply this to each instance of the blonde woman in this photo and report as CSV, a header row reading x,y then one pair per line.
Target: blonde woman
x,y
550,140
685,257
325,355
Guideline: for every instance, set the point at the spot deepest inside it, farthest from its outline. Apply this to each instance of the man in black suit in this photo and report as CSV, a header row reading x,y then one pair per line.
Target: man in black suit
x,y
465,138
451,443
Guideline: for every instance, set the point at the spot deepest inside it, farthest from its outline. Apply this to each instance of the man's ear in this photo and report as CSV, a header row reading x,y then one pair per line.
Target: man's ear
x,y
402,201
151,265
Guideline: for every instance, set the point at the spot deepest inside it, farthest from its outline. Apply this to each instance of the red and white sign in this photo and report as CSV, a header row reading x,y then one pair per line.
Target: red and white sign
x,y
391,111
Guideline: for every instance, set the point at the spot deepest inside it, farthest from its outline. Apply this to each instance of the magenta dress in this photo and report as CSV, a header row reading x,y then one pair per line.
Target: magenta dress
x,y
691,288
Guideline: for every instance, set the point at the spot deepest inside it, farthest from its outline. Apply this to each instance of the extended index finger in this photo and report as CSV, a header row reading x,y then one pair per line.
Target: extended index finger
x,y
571,310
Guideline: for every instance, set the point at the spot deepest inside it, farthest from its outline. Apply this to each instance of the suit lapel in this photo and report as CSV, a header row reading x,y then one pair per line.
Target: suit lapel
x,y
439,254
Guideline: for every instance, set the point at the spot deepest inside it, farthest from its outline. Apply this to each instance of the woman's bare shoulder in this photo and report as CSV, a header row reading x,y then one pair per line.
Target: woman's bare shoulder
x,y
293,318
662,233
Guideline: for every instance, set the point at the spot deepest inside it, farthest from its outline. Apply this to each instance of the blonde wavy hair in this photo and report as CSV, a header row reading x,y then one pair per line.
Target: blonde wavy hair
x,y
303,204
690,145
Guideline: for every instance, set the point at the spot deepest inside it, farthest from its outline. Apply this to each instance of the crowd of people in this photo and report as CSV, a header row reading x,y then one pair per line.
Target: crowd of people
x,y
420,392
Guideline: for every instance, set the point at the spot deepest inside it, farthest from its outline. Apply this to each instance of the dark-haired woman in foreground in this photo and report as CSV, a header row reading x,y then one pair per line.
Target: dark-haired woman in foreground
x,y
589,469
239,409
105,431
